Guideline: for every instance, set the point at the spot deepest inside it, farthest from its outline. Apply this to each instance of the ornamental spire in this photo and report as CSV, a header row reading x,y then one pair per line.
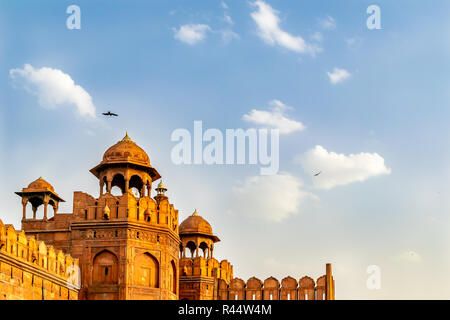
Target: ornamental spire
x,y
127,138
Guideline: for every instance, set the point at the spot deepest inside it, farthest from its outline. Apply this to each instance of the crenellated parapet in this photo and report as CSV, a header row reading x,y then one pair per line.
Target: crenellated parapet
x,y
272,289
148,211
33,270
204,267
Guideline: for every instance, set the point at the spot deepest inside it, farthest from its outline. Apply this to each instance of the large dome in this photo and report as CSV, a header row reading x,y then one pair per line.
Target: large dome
x,y
195,224
126,151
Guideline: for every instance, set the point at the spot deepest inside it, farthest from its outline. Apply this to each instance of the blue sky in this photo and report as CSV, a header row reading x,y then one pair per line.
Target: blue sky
x,y
131,58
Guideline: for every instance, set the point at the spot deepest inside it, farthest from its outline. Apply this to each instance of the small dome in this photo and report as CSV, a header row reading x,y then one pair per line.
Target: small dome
x,y
161,189
126,150
161,185
41,185
195,224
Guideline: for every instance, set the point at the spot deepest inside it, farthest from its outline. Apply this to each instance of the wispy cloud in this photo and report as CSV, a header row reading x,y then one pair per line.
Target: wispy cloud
x,y
327,23
228,19
272,198
274,118
54,89
354,42
228,35
269,30
191,33
339,169
338,75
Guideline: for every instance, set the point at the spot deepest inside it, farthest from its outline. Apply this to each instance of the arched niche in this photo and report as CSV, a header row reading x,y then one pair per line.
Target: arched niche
x,y
146,270
173,277
105,268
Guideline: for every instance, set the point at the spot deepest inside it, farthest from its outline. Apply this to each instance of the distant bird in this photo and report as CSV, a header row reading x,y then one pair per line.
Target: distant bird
x,y
317,173
109,113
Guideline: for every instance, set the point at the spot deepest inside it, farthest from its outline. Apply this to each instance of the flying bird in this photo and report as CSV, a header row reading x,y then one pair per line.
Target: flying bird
x,y
317,173
109,113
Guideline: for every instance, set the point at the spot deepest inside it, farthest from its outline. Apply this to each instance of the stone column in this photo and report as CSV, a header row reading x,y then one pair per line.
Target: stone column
x,y
34,212
24,204
127,185
45,210
101,187
108,188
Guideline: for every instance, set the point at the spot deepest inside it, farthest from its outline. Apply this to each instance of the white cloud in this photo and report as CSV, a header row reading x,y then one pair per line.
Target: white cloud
x,y
328,23
338,75
267,20
195,33
274,118
54,89
340,169
224,5
191,33
409,256
273,198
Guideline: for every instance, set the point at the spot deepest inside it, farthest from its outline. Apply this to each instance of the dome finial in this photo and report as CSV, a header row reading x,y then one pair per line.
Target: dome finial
x,y
161,189
195,214
127,138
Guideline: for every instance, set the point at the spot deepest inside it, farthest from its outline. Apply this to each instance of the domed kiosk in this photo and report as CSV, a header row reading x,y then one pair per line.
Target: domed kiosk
x,y
39,192
125,165
196,233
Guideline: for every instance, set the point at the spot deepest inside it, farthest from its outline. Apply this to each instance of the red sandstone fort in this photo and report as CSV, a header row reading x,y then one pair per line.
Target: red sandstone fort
x,y
126,247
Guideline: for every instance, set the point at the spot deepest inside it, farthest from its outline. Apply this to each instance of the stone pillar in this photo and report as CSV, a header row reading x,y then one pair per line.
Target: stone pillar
x,y
34,212
108,188
127,185
101,187
45,210
329,283
24,205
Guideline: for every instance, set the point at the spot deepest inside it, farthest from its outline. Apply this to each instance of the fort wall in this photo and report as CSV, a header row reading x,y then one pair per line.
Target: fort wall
x,y
272,289
31,270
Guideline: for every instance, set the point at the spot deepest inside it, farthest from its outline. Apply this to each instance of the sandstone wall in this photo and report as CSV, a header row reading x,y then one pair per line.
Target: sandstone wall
x,y
272,289
31,270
